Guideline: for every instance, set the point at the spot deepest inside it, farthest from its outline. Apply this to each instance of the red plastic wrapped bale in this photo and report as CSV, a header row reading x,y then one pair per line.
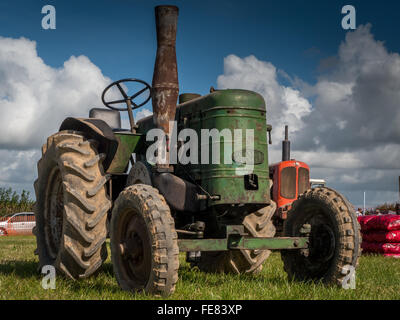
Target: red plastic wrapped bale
x,y
381,236
385,248
364,222
387,222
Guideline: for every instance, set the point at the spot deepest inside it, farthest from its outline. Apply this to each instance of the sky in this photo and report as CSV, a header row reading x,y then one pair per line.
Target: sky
x,y
338,90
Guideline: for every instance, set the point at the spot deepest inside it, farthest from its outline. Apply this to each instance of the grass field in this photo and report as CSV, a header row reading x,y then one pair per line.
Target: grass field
x,y
376,278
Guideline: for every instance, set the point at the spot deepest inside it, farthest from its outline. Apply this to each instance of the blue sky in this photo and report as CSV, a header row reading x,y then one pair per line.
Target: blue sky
x,y
119,36
339,116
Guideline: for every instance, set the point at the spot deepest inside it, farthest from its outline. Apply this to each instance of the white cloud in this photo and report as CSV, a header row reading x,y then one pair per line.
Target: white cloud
x,y
138,114
349,134
18,169
362,91
345,125
35,98
143,113
285,105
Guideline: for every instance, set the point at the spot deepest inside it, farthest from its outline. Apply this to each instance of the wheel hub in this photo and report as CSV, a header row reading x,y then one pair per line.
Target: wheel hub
x,y
135,247
322,240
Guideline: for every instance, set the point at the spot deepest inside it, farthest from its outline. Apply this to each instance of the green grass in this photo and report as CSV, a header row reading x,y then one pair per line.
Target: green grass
x,y
377,278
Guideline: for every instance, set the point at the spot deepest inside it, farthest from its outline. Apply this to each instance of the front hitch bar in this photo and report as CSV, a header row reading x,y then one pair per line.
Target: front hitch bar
x,y
240,242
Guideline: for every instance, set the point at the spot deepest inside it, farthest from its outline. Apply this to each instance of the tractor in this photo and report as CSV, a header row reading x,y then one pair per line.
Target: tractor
x,y
96,179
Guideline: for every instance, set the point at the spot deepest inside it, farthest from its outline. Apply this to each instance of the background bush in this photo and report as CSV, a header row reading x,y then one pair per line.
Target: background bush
x,y
12,202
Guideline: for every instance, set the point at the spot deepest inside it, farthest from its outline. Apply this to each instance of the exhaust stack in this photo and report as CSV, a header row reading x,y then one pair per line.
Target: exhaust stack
x,y
286,146
165,78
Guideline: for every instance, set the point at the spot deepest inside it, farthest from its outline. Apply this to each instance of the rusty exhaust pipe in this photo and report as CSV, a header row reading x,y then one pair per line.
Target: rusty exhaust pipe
x,y
165,78
286,146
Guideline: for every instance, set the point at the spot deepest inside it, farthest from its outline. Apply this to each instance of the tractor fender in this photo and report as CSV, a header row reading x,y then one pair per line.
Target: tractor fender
x,y
98,130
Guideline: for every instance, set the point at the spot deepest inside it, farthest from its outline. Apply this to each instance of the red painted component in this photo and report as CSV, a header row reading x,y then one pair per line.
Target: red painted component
x,y
276,172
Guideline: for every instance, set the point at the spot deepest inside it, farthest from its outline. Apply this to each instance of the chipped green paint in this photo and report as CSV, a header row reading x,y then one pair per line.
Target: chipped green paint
x,y
237,242
226,109
268,243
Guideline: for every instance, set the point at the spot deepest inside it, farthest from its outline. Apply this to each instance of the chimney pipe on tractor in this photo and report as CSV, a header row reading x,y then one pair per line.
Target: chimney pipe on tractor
x,y
165,84
286,146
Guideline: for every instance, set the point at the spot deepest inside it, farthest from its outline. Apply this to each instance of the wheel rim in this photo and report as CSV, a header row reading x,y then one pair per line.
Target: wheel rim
x,y
322,242
54,211
322,239
134,247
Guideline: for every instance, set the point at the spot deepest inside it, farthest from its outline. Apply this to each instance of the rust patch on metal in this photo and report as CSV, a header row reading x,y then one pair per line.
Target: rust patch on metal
x,y
165,84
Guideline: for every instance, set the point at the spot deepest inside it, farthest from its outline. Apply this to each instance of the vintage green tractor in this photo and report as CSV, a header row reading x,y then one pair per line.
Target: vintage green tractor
x,y
219,212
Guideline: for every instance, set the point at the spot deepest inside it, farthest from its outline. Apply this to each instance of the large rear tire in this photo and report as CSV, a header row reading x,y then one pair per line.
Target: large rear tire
x,y
334,246
257,224
144,243
71,205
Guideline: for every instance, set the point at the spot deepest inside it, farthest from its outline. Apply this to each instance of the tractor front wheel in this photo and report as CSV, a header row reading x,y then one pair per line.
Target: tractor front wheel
x,y
144,243
334,245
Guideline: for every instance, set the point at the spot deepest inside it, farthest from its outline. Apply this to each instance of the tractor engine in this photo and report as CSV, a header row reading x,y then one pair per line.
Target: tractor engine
x,y
222,120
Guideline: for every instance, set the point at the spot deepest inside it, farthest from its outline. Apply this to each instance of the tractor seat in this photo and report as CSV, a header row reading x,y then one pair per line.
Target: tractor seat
x,y
111,117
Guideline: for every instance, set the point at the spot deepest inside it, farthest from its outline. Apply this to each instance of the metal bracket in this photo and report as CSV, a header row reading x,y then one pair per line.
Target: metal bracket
x,y
238,239
235,230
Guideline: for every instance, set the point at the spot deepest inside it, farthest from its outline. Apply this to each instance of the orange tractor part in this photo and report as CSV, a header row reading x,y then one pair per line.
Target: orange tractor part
x,y
290,177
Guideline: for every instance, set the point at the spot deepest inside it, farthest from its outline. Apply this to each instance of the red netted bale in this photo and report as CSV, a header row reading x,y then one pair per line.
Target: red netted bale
x,y
381,236
388,222
385,248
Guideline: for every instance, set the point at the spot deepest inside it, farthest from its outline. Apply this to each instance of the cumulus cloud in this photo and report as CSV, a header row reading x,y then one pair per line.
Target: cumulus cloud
x,y
345,124
357,103
284,104
35,98
140,114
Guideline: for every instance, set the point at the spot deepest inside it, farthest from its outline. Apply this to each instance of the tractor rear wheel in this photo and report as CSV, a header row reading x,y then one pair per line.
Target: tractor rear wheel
x,y
334,246
144,243
71,205
257,224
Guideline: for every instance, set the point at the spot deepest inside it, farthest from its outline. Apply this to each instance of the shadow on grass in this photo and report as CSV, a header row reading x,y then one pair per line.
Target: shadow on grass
x,y
218,279
21,269
29,269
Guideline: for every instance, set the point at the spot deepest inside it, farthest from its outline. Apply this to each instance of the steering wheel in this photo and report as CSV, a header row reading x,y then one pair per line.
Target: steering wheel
x,y
127,99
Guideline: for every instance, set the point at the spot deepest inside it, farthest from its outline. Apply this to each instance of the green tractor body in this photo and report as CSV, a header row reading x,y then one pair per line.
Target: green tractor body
x,y
217,207
225,110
